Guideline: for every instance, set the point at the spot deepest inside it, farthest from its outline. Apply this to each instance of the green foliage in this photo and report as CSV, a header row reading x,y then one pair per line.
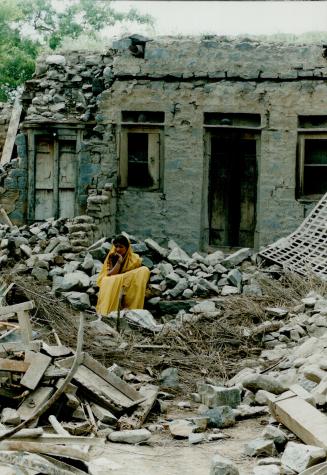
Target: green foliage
x,y
28,26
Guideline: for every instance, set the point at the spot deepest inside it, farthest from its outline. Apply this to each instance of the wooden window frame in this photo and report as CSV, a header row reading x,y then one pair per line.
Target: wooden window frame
x,y
301,164
155,156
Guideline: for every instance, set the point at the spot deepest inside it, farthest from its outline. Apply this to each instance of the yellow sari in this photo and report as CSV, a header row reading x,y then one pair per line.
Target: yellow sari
x,y
131,280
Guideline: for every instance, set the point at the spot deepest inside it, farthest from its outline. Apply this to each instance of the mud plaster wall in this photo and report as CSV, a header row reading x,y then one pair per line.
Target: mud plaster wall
x,y
184,79
185,163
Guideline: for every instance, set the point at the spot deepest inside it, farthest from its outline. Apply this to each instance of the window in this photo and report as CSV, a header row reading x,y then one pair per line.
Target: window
x,y
312,166
140,152
232,119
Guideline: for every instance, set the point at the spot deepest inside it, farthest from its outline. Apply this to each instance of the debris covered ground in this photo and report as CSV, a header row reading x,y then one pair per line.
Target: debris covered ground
x,y
224,338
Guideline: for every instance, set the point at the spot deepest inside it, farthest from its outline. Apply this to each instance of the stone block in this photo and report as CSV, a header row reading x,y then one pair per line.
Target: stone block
x,y
136,436
214,396
267,470
298,457
260,447
223,466
277,435
222,416
237,257
10,416
181,428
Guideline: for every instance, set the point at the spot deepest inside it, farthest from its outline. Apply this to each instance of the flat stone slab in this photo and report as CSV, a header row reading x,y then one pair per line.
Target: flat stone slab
x,y
130,436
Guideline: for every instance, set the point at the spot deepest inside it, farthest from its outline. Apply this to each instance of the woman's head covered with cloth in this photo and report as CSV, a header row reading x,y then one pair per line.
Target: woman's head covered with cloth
x,y
120,245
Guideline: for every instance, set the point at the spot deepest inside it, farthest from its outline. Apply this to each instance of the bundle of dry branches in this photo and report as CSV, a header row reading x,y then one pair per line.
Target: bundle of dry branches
x,y
214,346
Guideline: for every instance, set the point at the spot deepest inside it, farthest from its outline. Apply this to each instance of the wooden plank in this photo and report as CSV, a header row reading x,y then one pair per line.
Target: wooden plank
x,y
111,378
150,392
68,440
12,132
320,469
99,387
57,426
54,372
304,420
25,326
38,365
303,393
24,433
18,307
32,403
55,351
38,464
99,370
18,346
13,365
51,449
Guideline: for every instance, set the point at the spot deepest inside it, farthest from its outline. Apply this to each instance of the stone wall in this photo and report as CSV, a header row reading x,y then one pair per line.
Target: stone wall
x,y
184,78
5,114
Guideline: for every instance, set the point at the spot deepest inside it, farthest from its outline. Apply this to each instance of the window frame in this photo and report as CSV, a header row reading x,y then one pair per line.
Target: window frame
x,y
155,156
302,137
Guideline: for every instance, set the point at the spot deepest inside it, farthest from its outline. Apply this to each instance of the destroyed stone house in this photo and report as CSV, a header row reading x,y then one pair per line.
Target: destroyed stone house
x,y
211,142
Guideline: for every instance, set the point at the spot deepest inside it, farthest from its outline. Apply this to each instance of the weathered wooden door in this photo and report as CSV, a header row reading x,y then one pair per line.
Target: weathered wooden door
x,y
53,174
233,189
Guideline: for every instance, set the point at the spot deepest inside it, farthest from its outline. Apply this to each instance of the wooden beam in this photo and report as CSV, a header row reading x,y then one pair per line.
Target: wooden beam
x,y
38,464
56,351
102,386
137,419
300,417
38,365
57,439
34,401
24,433
49,448
18,346
18,307
13,365
12,132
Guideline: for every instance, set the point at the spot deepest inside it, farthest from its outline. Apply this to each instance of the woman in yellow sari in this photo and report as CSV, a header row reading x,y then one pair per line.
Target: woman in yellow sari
x,y
122,272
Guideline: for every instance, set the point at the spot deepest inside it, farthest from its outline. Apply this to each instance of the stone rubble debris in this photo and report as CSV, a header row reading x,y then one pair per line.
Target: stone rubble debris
x,y
62,254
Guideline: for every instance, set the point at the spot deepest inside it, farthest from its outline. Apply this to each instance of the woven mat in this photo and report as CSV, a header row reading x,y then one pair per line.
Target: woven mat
x,y
305,250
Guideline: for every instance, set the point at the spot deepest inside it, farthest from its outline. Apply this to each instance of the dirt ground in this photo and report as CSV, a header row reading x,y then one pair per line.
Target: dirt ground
x,y
166,456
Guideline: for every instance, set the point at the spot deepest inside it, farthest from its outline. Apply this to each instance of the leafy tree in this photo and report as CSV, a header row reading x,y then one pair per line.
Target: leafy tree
x,y
27,26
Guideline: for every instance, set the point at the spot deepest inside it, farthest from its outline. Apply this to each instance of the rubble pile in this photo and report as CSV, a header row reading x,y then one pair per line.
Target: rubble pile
x,y
200,309
61,253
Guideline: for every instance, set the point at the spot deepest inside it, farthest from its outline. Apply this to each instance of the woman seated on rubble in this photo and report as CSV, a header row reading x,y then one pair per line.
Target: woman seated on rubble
x,y
122,280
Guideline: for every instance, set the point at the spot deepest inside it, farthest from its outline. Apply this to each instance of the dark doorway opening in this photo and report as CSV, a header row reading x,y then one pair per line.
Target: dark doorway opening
x,y
233,188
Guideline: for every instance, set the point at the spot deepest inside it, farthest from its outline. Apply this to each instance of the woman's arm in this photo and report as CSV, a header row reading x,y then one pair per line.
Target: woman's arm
x,y
115,269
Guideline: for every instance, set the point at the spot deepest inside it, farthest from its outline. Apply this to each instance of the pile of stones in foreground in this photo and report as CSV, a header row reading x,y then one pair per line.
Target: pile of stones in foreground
x,y
299,348
62,254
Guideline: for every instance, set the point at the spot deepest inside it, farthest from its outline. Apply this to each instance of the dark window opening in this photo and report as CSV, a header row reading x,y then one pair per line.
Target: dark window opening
x,y
138,163
232,119
312,121
143,117
315,167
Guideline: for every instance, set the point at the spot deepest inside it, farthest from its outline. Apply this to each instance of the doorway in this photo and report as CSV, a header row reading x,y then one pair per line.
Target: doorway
x,y
52,176
233,188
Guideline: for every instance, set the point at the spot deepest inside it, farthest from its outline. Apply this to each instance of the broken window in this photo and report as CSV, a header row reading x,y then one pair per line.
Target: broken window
x,y
312,166
140,153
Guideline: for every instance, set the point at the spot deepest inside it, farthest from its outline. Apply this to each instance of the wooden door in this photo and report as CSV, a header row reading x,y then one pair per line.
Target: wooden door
x,y
232,189
55,175
67,178
44,178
